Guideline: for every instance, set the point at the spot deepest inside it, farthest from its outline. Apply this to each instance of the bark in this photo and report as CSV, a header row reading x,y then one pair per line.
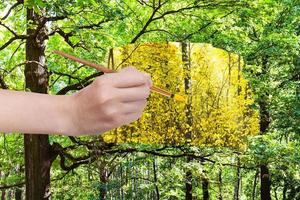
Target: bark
x,y
188,186
205,187
104,180
254,185
188,113
265,189
220,197
205,184
265,183
18,194
229,77
3,85
38,152
3,195
284,191
155,179
239,89
237,186
122,178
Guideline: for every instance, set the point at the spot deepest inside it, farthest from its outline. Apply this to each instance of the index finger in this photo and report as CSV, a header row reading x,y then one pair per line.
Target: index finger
x,y
129,77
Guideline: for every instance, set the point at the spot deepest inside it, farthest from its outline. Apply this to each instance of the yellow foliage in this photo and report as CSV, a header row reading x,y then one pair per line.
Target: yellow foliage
x,y
220,97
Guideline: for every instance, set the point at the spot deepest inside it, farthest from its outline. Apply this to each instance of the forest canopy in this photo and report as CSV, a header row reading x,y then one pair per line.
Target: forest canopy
x,y
236,61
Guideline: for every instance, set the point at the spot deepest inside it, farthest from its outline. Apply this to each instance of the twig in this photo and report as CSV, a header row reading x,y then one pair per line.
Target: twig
x,y
106,70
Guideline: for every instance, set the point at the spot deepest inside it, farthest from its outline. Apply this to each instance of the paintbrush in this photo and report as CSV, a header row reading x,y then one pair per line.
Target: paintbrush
x,y
106,70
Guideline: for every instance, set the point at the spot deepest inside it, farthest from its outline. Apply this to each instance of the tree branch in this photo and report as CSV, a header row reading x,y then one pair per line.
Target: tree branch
x,y
11,40
79,85
95,25
3,85
76,161
152,18
55,18
5,187
9,29
160,30
205,26
19,2
67,36
155,10
64,74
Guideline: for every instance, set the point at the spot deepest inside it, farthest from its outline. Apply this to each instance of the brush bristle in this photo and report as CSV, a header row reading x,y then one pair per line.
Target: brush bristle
x,y
178,97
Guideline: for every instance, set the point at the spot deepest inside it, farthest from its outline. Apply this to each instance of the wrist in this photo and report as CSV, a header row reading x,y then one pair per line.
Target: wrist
x,y
67,115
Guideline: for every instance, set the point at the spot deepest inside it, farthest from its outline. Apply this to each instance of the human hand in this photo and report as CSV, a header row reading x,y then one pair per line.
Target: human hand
x,y
112,100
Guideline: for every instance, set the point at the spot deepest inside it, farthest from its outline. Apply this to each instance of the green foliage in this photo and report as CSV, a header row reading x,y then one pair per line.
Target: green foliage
x,y
264,32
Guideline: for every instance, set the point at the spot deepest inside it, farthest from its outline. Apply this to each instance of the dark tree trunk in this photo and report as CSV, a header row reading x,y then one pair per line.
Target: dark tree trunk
x,y
220,197
205,184
205,187
265,189
188,135
237,186
121,181
3,195
265,183
284,191
18,194
155,179
104,179
38,152
254,185
188,186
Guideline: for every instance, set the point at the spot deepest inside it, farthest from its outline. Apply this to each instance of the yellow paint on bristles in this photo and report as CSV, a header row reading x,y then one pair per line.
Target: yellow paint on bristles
x,y
178,97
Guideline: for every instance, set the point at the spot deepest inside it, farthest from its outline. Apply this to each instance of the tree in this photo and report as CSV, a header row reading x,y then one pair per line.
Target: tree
x,y
260,31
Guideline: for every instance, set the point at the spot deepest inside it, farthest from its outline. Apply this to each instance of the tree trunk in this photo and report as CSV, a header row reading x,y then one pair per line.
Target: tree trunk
x,y
254,185
103,179
265,183
38,152
205,187
18,194
205,184
3,195
237,186
284,191
265,189
188,185
155,178
188,135
220,197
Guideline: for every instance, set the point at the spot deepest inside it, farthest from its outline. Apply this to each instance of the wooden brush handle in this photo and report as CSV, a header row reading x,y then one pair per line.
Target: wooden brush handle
x,y
85,62
106,70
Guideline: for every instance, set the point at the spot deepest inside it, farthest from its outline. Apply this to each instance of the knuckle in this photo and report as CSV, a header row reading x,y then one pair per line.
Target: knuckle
x,y
147,76
99,81
103,94
114,120
104,80
146,92
129,68
111,112
132,68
